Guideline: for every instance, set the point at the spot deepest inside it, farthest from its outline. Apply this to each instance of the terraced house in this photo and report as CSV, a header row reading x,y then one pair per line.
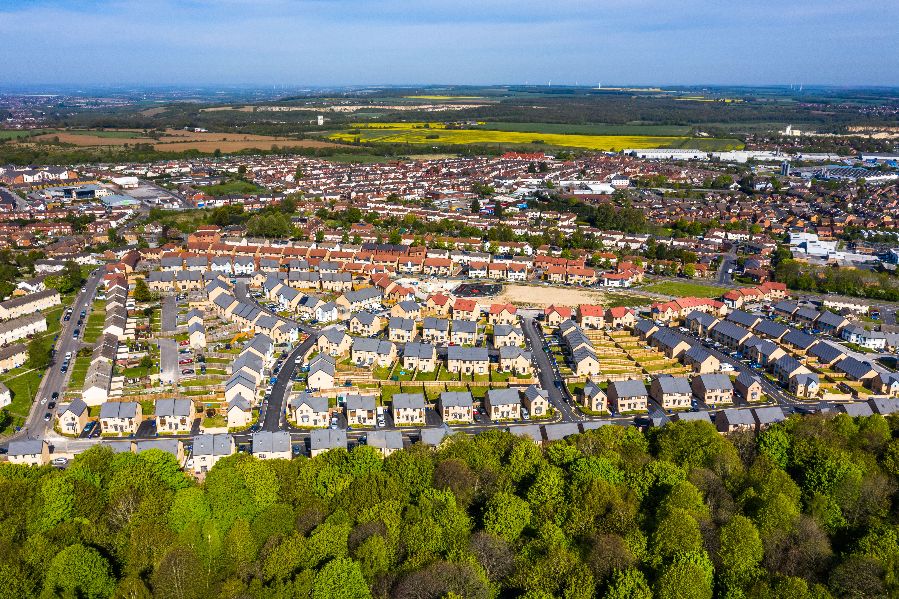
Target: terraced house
x,y
28,304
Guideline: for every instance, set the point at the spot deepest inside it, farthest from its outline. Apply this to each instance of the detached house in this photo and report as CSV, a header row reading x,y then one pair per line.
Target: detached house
x,y
514,359
175,415
72,418
671,392
502,314
408,408
361,410
536,400
507,335
420,356
309,411
463,332
122,417
594,398
503,404
456,406
713,389
468,360
365,324
627,396
401,330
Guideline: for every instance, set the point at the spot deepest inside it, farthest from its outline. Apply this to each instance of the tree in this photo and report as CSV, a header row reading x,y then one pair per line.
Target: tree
x,y
142,292
340,579
475,206
628,584
79,571
38,354
740,549
506,516
146,362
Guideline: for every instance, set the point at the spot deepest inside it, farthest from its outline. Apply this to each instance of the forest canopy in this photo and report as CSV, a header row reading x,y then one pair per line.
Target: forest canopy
x,y
805,509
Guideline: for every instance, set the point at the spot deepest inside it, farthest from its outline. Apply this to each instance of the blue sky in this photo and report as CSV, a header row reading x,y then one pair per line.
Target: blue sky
x,y
362,42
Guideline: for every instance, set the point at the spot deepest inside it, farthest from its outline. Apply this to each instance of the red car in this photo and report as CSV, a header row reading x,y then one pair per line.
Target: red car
x,y
185,342
187,361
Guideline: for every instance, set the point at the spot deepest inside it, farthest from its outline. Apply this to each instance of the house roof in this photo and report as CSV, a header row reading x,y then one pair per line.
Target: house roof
x,y
213,444
271,442
674,384
411,401
503,397
628,388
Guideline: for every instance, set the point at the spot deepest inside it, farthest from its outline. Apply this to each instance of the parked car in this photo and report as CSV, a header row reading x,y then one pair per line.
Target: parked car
x,y
186,361
47,417
60,462
187,371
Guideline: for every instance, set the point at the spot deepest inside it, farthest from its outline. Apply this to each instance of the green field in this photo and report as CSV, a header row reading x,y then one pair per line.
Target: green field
x,y
104,133
437,134
78,369
22,383
229,187
16,134
596,129
680,289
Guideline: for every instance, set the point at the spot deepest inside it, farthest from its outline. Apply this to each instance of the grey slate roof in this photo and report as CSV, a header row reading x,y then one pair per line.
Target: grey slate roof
x,y
503,397
325,438
271,442
461,399
214,445
629,388
385,439
409,401
674,384
469,354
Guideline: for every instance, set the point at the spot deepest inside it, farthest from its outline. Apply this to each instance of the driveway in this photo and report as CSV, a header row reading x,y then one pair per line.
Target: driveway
x,y
168,361
548,377
169,314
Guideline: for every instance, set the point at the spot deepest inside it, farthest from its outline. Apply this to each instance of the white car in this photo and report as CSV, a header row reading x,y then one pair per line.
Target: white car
x,y
725,367
60,461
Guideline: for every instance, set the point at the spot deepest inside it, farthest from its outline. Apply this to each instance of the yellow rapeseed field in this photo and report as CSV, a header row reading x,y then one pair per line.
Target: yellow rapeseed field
x,y
438,134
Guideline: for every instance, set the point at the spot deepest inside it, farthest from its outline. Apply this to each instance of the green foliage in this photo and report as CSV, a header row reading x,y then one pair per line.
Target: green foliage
x,y
79,571
38,353
142,292
614,512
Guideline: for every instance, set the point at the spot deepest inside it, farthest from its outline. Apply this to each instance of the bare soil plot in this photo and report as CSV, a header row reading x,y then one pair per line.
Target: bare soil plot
x,y
545,296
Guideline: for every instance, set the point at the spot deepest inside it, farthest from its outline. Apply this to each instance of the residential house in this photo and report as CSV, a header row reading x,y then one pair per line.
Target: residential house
x,y
873,340
208,449
733,419
536,401
456,406
239,412
28,452
322,372
334,341
514,359
502,314
408,408
123,417
700,360
505,335
365,324
272,445
503,404
627,396
435,330
463,332
385,442
713,389
591,316
324,440
620,317
671,392
765,417
748,387
554,315
594,398
309,411
420,356
804,384
401,330
466,309
372,352
361,410
72,417
468,360
175,415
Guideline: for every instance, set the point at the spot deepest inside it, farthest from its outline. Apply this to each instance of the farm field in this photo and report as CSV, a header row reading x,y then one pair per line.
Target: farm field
x,y
417,133
680,289
594,129
176,140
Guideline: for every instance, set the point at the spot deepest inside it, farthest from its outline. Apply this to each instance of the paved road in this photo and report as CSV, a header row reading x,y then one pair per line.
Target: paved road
x,y
169,370
728,261
274,410
549,377
169,316
53,380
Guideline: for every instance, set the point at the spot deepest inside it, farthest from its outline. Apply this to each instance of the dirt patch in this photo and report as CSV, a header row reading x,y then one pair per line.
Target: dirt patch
x,y
176,140
525,295
237,146
153,111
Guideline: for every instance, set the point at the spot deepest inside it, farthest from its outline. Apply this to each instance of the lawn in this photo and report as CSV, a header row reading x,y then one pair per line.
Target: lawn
x,y
22,383
232,186
78,370
417,133
683,289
